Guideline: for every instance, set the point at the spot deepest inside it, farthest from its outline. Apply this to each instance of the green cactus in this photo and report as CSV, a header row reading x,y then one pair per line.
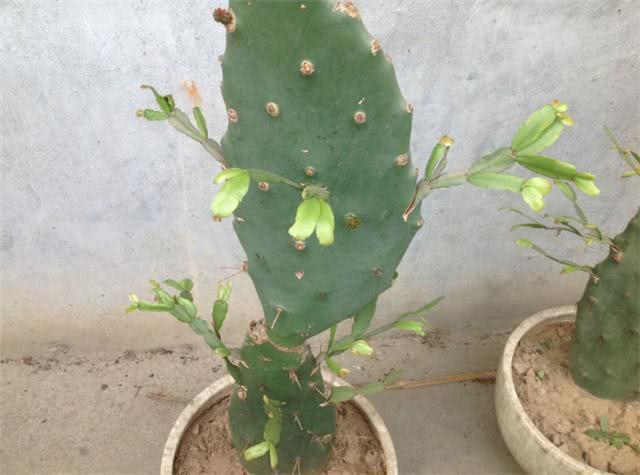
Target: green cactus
x,y
299,105
605,351
318,142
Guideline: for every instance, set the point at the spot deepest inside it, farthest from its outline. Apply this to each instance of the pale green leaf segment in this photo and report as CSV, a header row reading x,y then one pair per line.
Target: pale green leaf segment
x,y
314,214
362,348
533,191
235,187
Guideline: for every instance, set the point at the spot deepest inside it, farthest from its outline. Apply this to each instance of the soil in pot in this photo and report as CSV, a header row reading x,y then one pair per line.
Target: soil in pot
x,y
564,412
206,447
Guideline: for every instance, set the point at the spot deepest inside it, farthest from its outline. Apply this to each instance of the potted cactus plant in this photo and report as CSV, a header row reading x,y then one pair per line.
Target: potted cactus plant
x,y
568,387
317,174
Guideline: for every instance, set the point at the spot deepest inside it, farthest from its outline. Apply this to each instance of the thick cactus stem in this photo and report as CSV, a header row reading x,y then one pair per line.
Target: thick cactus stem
x,y
290,376
605,354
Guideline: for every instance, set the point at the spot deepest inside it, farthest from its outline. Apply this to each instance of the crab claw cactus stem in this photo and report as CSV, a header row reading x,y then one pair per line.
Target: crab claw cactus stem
x,y
220,306
438,157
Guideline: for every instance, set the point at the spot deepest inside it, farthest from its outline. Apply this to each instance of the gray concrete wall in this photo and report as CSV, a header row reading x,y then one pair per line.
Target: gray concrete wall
x,y
95,201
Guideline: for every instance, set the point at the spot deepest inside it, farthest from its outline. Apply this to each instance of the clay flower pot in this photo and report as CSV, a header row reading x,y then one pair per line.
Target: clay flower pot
x,y
531,449
222,388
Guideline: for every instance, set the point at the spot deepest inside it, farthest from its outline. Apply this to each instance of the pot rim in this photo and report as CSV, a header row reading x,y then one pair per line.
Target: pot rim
x,y
222,387
562,314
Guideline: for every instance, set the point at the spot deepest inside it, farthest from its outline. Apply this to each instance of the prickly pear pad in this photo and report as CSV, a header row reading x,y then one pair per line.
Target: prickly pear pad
x,y
305,85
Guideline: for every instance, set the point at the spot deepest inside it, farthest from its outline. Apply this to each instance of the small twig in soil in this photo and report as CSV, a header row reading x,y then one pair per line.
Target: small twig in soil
x,y
160,396
476,376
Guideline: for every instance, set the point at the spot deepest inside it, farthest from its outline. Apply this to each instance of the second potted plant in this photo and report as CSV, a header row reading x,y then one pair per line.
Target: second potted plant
x,y
568,386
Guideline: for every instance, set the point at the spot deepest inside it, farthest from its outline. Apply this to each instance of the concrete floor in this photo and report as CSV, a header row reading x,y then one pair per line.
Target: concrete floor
x,y
64,412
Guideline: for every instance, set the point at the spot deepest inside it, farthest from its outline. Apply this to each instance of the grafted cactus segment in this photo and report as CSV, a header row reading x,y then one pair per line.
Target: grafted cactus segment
x,y
306,422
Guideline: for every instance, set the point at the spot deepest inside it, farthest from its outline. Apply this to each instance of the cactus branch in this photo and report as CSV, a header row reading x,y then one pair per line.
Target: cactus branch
x,y
541,130
569,266
181,122
344,343
345,393
589,233
182,308
629,156
424,309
